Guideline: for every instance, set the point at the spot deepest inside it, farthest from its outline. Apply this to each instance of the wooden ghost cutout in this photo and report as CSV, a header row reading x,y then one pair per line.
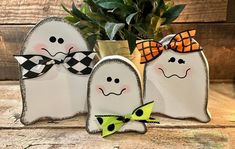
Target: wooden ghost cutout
x,y
55,65
113,89
176,76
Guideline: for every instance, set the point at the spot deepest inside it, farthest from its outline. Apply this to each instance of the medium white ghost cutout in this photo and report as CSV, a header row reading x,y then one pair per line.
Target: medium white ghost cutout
x,y
114,89
57,94
178,82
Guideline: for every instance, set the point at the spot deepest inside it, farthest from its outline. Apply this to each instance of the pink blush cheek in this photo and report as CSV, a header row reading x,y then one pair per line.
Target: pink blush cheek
x,y
71,47
38,48
190,72
157,70
127,89
98,89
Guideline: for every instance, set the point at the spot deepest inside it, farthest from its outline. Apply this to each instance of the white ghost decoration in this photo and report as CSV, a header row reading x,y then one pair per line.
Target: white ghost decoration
x,y
178,82
57,93
114,89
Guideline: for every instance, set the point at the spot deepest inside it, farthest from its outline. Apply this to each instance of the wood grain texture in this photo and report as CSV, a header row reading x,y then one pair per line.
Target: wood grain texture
x,y
154,138
11,106
71,133
231,12
203,10
216,38
218,42
226,89
30,12
10,44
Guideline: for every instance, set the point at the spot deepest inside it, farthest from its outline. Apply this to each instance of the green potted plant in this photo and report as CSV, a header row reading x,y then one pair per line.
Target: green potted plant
x,y
118,24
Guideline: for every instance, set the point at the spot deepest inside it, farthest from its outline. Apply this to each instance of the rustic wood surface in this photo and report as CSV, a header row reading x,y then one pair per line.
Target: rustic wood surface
x,y
203,10
30,12
230,11
216,38
218,42
215,24
158,138
171,133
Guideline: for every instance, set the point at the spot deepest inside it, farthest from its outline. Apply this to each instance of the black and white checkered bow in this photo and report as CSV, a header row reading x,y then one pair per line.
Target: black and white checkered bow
x,y
36,65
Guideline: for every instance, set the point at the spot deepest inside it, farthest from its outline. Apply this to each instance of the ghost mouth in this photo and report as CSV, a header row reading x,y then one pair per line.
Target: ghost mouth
x,y
112,93
180,77
53,55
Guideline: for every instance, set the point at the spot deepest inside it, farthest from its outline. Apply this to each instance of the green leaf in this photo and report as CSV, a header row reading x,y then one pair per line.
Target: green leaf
x,y
112,28
91,40
146,7
129,18
124,11
86,27
109,4
123,19
65,9
78,13
141,30
161,3
128,2
173,13
160,7
71,19
169,5
97,16
159,23
93,6
85,8
131,38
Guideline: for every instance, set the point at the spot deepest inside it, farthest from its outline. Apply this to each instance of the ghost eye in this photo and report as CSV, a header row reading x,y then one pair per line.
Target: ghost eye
x,y
52,39
116,80
181,61
60,40
109,79
172,59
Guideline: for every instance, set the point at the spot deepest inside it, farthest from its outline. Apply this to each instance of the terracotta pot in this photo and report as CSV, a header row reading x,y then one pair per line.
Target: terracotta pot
x,y
119,47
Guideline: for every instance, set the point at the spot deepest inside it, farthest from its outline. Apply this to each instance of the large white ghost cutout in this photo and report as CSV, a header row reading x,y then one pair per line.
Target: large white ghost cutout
x,y
114,89
57,94
178,82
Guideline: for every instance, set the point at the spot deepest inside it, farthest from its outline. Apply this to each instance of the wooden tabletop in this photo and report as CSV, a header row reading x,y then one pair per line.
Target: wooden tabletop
x,y
171,133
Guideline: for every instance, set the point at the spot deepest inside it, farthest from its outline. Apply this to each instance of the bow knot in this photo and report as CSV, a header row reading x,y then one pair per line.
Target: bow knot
x,y
166,47
112,123
36,65
123,119
182,42
59,62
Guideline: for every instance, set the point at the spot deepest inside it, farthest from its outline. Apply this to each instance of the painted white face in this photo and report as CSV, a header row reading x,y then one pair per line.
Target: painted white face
x,y
114,89
179,84
54,38
178,67
114,83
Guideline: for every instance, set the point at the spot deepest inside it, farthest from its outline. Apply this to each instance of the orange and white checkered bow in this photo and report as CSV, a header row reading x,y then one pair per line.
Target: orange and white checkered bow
x,y
182,42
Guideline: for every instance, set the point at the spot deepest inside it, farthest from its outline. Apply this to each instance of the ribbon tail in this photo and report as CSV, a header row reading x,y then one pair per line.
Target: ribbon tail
x,y
33,65
151,120
149,50
105,133
109,124
80,62
111,128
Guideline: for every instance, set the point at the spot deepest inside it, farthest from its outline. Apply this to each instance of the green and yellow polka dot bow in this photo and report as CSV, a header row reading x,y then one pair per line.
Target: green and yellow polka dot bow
x,y
112,123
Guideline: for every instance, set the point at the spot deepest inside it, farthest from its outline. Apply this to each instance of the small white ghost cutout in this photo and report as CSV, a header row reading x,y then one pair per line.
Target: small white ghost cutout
x,y
57,94
114,89
178,82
